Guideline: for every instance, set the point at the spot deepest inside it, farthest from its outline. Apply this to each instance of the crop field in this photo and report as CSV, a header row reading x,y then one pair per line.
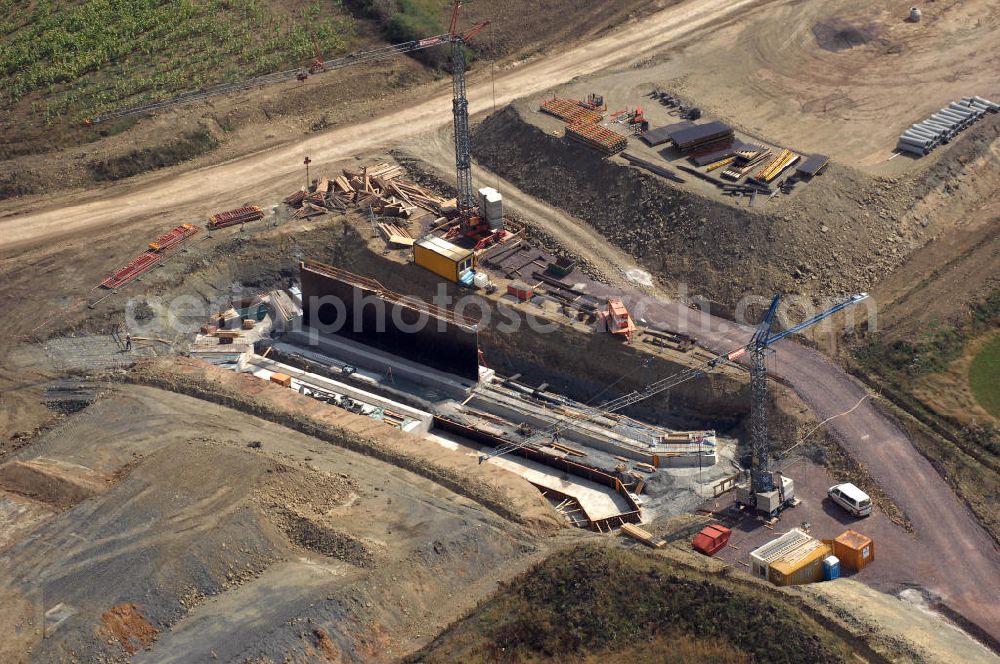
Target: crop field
x,y
984,377
72,60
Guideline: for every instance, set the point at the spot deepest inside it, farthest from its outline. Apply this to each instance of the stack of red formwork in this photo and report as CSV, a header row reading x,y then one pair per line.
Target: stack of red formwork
x,y
166,242
571,111
238,216
133,269
597,136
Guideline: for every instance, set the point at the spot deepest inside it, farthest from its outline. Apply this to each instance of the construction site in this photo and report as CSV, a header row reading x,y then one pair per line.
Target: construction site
x,y
646,333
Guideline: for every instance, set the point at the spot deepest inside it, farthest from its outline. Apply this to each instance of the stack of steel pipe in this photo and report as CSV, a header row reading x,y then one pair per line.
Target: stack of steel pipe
x,y
944,125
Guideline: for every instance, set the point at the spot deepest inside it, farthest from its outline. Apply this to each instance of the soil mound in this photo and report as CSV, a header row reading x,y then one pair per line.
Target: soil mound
x,y
839,35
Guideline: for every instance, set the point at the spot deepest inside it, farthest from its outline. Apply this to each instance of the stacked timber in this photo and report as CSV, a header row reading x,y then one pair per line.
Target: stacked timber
x,y
379,187
746,159
642,535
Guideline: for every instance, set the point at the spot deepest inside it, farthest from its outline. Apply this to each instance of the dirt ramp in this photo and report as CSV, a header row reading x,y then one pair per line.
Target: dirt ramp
x,y
56,483
819,242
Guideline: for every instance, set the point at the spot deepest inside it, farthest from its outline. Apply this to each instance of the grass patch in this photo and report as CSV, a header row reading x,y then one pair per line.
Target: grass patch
x,y
75,59
984,377
966,454
148,159
596,600
411,20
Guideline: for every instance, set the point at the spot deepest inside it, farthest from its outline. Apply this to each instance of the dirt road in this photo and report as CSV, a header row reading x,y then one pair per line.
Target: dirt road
x,y
197,192
968,574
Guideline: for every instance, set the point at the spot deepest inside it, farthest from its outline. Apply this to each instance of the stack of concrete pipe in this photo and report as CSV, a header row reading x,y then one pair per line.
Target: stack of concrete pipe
x,y
944,125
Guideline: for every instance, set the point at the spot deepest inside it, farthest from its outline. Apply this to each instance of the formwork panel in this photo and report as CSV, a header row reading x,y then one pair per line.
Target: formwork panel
x,y
338,302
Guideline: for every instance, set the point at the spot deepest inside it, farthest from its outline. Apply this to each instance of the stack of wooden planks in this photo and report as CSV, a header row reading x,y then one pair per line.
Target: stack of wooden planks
x,y
745,161
642,535
379,187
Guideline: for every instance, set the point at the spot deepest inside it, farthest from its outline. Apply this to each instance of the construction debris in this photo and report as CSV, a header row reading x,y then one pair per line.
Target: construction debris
x,y
379,188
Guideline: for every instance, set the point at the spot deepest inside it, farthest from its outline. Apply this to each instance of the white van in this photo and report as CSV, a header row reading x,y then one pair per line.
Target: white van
x,y
851,498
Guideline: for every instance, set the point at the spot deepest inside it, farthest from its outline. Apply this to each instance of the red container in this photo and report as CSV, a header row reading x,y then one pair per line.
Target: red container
x,y
520,290
208,329
711,539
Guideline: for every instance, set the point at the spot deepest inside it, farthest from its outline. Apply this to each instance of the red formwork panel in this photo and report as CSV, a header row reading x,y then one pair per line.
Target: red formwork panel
x,y
238,216
570,110
132,269
597,136
172,238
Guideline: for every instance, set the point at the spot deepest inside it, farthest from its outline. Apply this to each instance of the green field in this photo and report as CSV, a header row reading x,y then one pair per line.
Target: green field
x,y
74,59
984,377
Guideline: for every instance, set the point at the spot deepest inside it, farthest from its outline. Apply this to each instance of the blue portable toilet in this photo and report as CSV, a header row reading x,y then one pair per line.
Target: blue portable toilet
x,y
831,568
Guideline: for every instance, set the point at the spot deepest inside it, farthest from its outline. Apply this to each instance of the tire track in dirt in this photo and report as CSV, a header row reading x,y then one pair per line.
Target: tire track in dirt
x,y
945,528
231,183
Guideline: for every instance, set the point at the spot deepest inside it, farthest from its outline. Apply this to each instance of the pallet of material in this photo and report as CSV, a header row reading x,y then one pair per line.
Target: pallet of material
x,y
661,135
691,138
240,215
643,536
597,136
131,270
784,159
570,110
714,151
742,165
813,165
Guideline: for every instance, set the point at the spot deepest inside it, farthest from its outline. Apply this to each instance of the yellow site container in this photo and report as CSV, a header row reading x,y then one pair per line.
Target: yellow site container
x,y
854,550
803,564
442,257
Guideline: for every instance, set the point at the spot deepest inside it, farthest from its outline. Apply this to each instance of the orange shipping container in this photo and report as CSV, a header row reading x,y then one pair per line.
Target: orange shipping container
x,y
854,550
281,379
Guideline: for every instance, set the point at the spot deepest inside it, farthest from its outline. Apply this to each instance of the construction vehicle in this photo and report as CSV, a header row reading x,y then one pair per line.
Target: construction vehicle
x,y
769,492
766,492
595,102
617,319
